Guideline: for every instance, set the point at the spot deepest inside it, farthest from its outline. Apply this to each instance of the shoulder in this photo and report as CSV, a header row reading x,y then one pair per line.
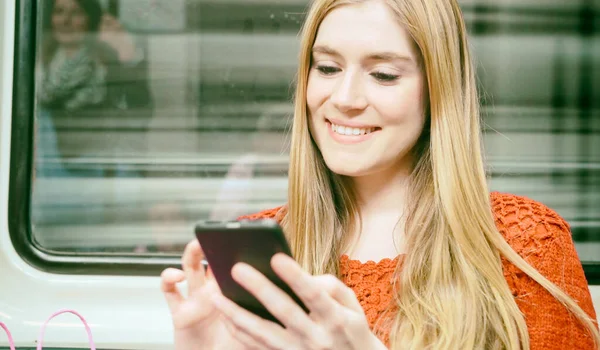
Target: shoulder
x,y
523,221
537,233
543,239
274,213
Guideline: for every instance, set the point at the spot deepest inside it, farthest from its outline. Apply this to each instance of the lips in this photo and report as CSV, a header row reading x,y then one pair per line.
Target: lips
x,y
350,134
350,131
345,129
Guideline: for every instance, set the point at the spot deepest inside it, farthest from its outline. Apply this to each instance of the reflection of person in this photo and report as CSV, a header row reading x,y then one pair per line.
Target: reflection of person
x,y
239,189
89,64
387,192
88,59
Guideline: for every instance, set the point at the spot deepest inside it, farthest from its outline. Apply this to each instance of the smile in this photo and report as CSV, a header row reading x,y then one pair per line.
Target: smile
x,y
346,134
350,131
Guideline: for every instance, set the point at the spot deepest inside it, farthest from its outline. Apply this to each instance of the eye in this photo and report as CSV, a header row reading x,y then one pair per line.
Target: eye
x,y
328,70
384,77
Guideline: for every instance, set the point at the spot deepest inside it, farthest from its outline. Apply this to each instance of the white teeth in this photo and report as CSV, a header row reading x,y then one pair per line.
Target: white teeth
x,y
348,131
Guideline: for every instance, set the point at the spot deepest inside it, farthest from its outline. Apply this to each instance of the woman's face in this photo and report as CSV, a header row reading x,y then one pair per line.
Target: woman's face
x,y
69,22
365,91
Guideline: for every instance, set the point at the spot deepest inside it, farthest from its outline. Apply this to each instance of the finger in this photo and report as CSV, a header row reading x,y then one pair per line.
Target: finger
x,y
312,289
108,19
110,23
105,22
338,291
265,333
304,285
169,279
192,266
241,337
277,302
197,308
209,274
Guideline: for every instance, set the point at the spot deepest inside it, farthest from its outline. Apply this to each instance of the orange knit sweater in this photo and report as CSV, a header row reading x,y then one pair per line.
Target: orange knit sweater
x,y
536,233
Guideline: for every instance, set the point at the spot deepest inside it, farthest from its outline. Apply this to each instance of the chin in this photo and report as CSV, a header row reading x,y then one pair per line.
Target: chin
x,y
346,168
69,38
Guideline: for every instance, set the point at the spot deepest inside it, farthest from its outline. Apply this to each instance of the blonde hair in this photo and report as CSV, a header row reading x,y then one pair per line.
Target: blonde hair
x,y
453,293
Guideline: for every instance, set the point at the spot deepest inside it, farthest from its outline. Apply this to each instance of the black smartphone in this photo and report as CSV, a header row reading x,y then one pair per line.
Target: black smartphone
x,y
255,242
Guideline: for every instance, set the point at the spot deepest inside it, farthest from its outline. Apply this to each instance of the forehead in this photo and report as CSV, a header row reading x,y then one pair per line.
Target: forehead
x,y
362,28
66,3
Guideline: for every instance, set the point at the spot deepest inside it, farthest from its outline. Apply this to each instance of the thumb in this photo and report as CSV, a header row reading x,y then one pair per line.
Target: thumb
x,y
169,279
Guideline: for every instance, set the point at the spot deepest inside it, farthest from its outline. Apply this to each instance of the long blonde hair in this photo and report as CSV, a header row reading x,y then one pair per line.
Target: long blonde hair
x,y
450,291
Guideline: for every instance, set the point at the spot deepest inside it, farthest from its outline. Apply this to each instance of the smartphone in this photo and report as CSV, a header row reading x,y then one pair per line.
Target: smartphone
x,y
226,243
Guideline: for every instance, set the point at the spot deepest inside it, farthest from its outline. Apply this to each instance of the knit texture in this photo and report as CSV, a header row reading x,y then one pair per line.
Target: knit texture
x,y
539,235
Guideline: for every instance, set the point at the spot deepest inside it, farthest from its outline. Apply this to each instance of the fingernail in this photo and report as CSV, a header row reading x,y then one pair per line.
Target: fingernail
x,y
240,270
283,259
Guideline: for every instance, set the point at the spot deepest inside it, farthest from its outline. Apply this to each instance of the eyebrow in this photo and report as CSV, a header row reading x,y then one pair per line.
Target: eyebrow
x,y
377,56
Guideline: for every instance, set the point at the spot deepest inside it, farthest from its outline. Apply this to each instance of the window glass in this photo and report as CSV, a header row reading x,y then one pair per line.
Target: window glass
x,y
154,114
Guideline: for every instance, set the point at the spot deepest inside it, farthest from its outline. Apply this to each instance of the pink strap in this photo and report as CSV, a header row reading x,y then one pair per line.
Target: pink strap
x,y
11,343
85,324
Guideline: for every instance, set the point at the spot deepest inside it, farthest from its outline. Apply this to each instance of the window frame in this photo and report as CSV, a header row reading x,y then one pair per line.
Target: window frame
x,y
21,166
20,178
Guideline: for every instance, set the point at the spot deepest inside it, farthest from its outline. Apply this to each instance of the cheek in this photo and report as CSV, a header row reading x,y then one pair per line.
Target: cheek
x,y
318,92
404,105
314,95
57,20
80,23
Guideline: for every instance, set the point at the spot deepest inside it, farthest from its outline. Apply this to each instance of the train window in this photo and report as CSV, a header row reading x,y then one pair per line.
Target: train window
x,y
153,114
183,119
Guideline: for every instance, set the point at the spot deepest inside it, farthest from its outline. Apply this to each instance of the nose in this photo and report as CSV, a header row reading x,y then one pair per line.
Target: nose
x,y
68,19
349,93
61,19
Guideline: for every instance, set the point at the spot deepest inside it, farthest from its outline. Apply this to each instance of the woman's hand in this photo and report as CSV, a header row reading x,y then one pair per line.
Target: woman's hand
x,y
112,33
336,319
196,322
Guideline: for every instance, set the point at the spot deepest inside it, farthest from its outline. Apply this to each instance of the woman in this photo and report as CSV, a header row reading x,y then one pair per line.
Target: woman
x,y
89,65
88,60
386,165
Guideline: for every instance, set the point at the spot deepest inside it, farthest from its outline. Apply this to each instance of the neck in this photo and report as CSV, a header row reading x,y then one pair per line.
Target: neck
x,y
381,202
71,49
383,192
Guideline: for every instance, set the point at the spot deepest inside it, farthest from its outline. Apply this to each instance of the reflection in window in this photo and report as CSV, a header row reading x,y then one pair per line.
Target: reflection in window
x,y
159,113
